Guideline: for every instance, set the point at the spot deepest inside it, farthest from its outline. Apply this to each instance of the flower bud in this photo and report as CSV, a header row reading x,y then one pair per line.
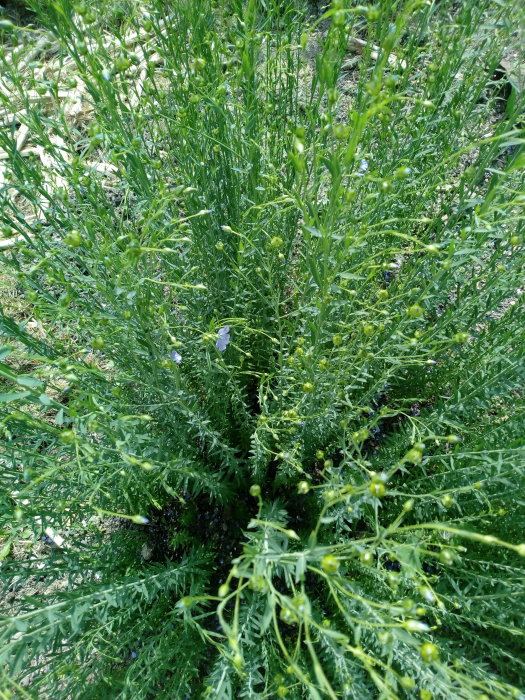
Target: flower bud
x,y
73,239
377,488
429,652
447,500
330,564
415,311
303,487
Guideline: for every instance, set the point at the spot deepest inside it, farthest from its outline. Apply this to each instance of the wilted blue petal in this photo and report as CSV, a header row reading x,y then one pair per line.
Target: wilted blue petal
x,y
223,338
176,357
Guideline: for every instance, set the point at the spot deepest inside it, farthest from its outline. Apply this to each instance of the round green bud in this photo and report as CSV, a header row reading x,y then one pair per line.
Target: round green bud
x,y
282,691
453,438
377,488
329,564
67,436
425,694
323,363
461,337
415,311
73,239
337,340
407,683
319,454
429,652
257,583
121,64
367,558
447,500
385,637
308,387
288,616
446,557
361,435
276,242
339,18
303,487
97,343
402,173
414,455
223,590
382,294
341,131
255,490
199,64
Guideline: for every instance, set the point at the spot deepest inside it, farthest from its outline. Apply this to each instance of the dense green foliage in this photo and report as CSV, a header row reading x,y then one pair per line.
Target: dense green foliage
x,y
327,500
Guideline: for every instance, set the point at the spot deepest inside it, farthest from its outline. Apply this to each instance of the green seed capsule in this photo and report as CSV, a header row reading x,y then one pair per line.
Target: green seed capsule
x,y
73,239
199,64
446,557
414,455
407,682
429,652
255,490
415,311
288,616
67,436
447,500
303,487
330,564
367,558
223,590
377,489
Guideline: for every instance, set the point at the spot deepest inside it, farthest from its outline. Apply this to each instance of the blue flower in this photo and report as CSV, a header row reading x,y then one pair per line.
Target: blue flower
x,y
223,338
363,167
176,357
